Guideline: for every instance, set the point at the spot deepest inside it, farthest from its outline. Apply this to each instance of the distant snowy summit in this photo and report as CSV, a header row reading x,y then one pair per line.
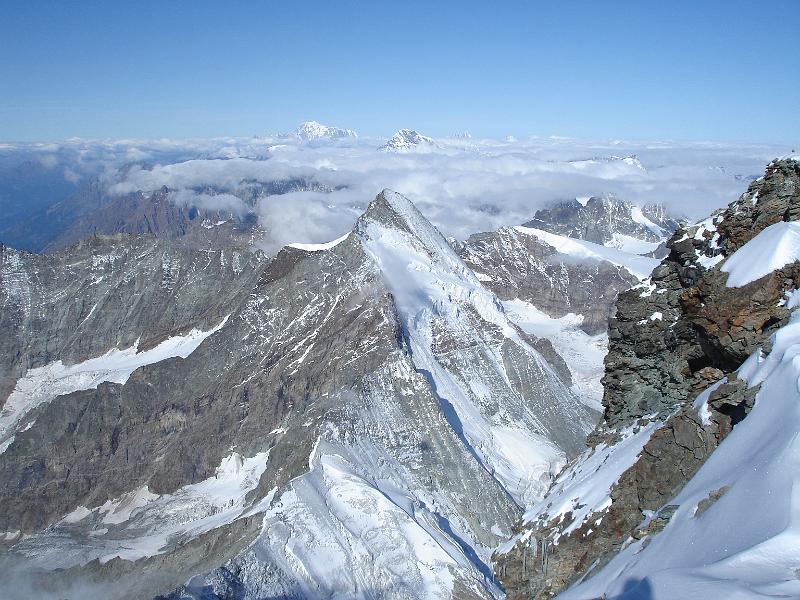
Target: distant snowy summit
x,y
311,130
631,161
408,140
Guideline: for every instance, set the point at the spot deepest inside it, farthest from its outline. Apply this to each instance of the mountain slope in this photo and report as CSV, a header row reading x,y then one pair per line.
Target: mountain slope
x,y
562,299
341,412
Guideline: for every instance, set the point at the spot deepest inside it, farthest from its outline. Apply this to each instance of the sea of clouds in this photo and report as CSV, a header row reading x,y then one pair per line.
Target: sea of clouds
x,y
462,185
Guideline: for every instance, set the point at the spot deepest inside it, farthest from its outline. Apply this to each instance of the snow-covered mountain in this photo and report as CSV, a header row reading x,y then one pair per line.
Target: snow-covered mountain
x,y
312,130
390,414
610,221
343,410
408,140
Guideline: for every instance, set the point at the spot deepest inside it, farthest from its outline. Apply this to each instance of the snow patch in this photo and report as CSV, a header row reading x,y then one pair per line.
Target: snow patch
x,y
773,248
701,402
638,217
320,247
631,245
583,353
141,524
41,385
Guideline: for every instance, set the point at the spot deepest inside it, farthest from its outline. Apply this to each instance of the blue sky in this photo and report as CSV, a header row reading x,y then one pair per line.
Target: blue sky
x,y
683,70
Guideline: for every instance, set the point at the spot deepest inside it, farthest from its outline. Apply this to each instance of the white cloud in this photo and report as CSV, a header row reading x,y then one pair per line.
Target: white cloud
x,y
306,217
464,186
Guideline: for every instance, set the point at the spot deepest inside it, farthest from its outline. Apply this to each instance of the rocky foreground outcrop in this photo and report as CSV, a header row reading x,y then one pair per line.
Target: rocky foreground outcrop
x,y
680,334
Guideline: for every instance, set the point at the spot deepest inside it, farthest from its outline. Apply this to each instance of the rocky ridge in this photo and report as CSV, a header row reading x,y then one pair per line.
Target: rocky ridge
x,y
193,219
672,394
516,265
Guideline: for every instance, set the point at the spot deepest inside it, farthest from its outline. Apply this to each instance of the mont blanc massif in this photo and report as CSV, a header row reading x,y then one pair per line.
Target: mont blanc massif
x,y
316,365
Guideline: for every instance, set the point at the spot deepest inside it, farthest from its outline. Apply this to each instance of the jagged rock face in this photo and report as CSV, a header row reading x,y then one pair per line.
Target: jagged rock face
x,y
107,292
515,265
609,221
681,333
319,424
705,327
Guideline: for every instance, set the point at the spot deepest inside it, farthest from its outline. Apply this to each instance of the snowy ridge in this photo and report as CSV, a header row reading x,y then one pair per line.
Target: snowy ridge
x,y
43,384
756,465
584,488
434,290
350,528
639,266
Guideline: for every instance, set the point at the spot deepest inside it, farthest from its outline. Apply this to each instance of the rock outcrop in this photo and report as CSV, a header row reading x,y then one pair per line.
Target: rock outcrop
x,y
680,334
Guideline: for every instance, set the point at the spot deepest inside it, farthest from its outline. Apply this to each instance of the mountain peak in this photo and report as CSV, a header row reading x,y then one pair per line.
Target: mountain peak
x,y
393,210
406,140
313,130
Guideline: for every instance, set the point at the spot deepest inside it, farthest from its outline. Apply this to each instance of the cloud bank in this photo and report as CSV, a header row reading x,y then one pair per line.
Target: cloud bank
x,y
463,185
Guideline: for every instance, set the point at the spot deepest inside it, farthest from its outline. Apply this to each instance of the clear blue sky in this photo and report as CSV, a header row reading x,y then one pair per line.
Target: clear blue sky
x,y
686,70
